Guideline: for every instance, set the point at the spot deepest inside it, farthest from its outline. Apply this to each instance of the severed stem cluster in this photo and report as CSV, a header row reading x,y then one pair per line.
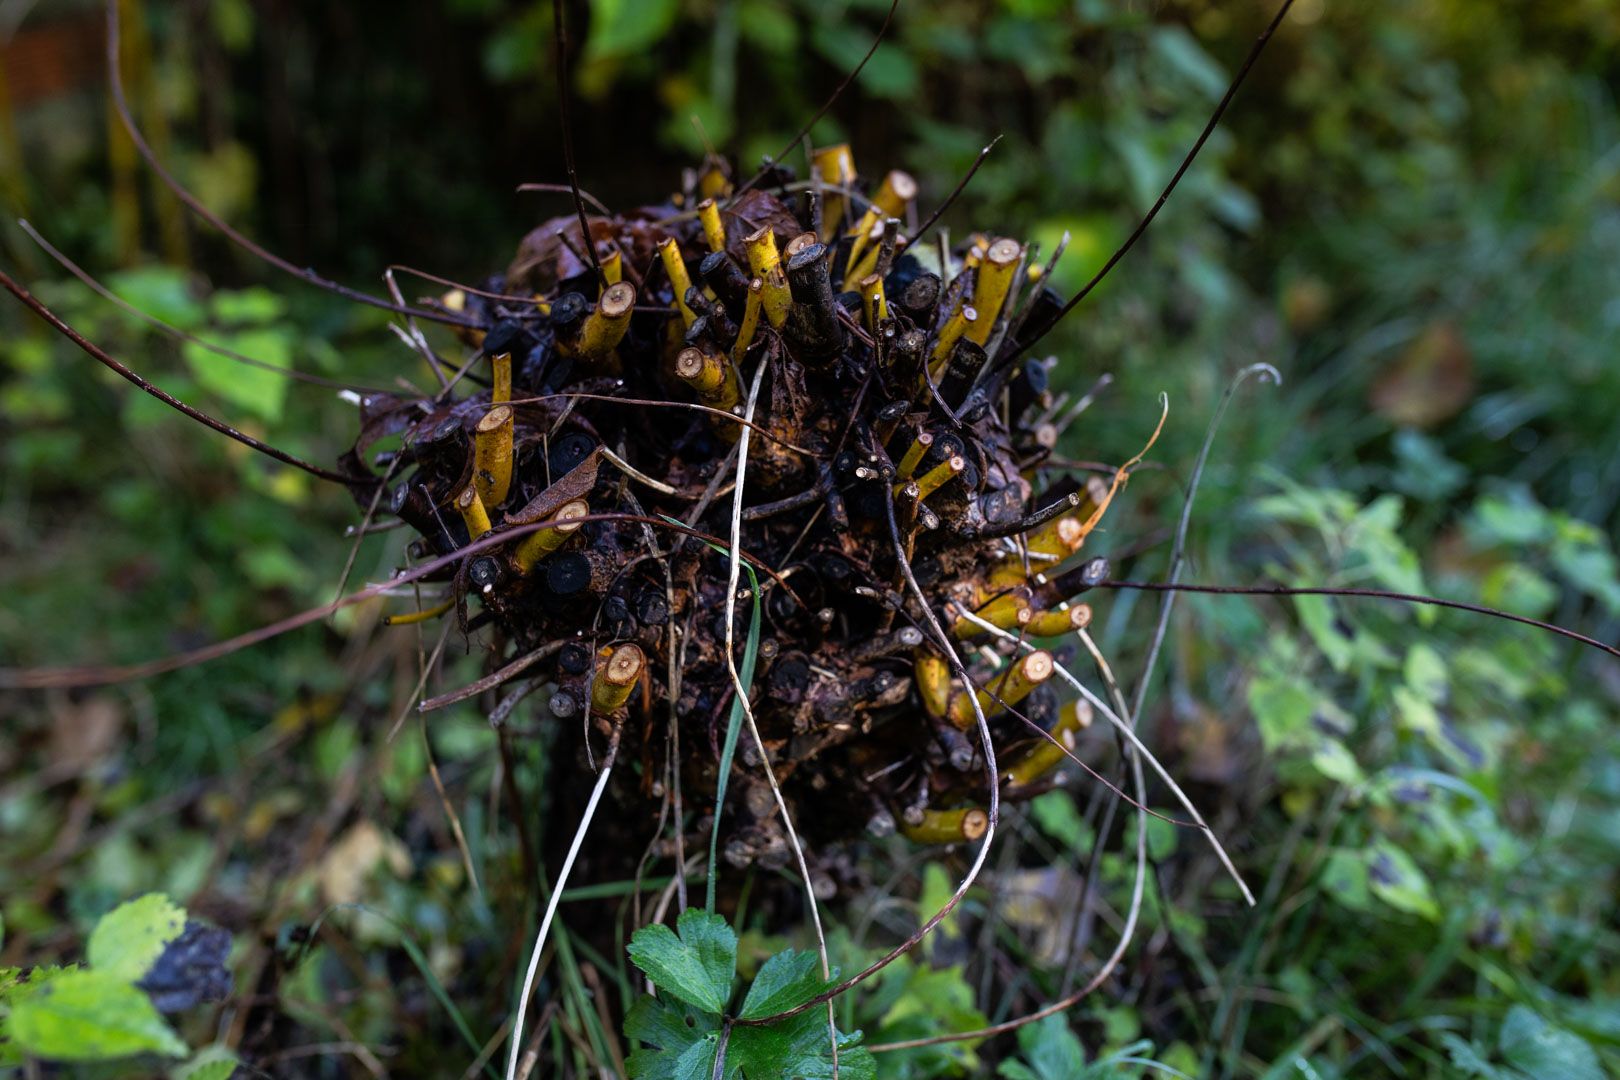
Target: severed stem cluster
x,y
885,374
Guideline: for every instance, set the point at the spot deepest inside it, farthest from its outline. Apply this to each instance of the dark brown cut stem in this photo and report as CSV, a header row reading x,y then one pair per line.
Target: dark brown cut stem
x,y
1164,196
168,399
115,77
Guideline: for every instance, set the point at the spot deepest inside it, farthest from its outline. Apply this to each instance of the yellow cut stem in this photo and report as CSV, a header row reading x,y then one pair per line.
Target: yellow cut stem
x,y
976,245
538,545
492,455
914,453
835,165
992,285
750,320
1013,686
947,826
500,369
1005,612
606,325
873,301
765,263
957,325
1043,757
1053,623
940,475
675,267
617,671
714,233
714,183
409,617
892,198
1062,537
612,267
933,676
473,512
711,377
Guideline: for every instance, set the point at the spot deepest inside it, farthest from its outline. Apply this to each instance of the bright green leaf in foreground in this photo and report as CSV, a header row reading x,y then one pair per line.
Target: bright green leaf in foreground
x,y
680,1031
90,1016
129,939
697,966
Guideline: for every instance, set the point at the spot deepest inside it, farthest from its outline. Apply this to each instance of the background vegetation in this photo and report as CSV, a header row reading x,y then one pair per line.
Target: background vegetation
x,y
1413,213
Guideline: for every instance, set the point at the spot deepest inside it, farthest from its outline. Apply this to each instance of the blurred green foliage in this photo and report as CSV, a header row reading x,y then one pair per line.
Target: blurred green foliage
x,y
1412,210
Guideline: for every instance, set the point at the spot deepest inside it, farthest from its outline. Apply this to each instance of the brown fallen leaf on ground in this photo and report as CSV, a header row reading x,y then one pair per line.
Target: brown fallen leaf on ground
x,y
1429,382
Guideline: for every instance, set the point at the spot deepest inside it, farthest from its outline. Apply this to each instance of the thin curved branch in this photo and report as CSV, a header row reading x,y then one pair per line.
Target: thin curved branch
x,y
819,113
56,323
1373,594
1164,196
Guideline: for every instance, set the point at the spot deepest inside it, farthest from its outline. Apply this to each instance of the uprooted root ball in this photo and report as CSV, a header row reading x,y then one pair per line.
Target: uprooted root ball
x,y
894,424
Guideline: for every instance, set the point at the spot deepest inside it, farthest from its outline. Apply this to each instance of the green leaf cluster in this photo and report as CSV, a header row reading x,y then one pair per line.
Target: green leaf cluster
x,y
685,1029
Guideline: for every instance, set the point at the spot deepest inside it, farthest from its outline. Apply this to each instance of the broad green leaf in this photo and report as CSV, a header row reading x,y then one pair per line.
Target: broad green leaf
x,y
626,27
90,1016
163,292
1344,877
1282,708
1398,881
1426,673
249,389
680,1041
696,966
1544,1052
1417,713
1517,588
254,305
1334,761
890,73
129,939
1058,818
787,979
1050,1051
936,893
797,1047
1317,615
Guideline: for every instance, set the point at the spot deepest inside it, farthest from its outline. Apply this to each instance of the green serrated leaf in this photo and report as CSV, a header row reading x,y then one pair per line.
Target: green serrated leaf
x,y
90,1016
797,1047
129,939
695,963
680,1041
787,979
